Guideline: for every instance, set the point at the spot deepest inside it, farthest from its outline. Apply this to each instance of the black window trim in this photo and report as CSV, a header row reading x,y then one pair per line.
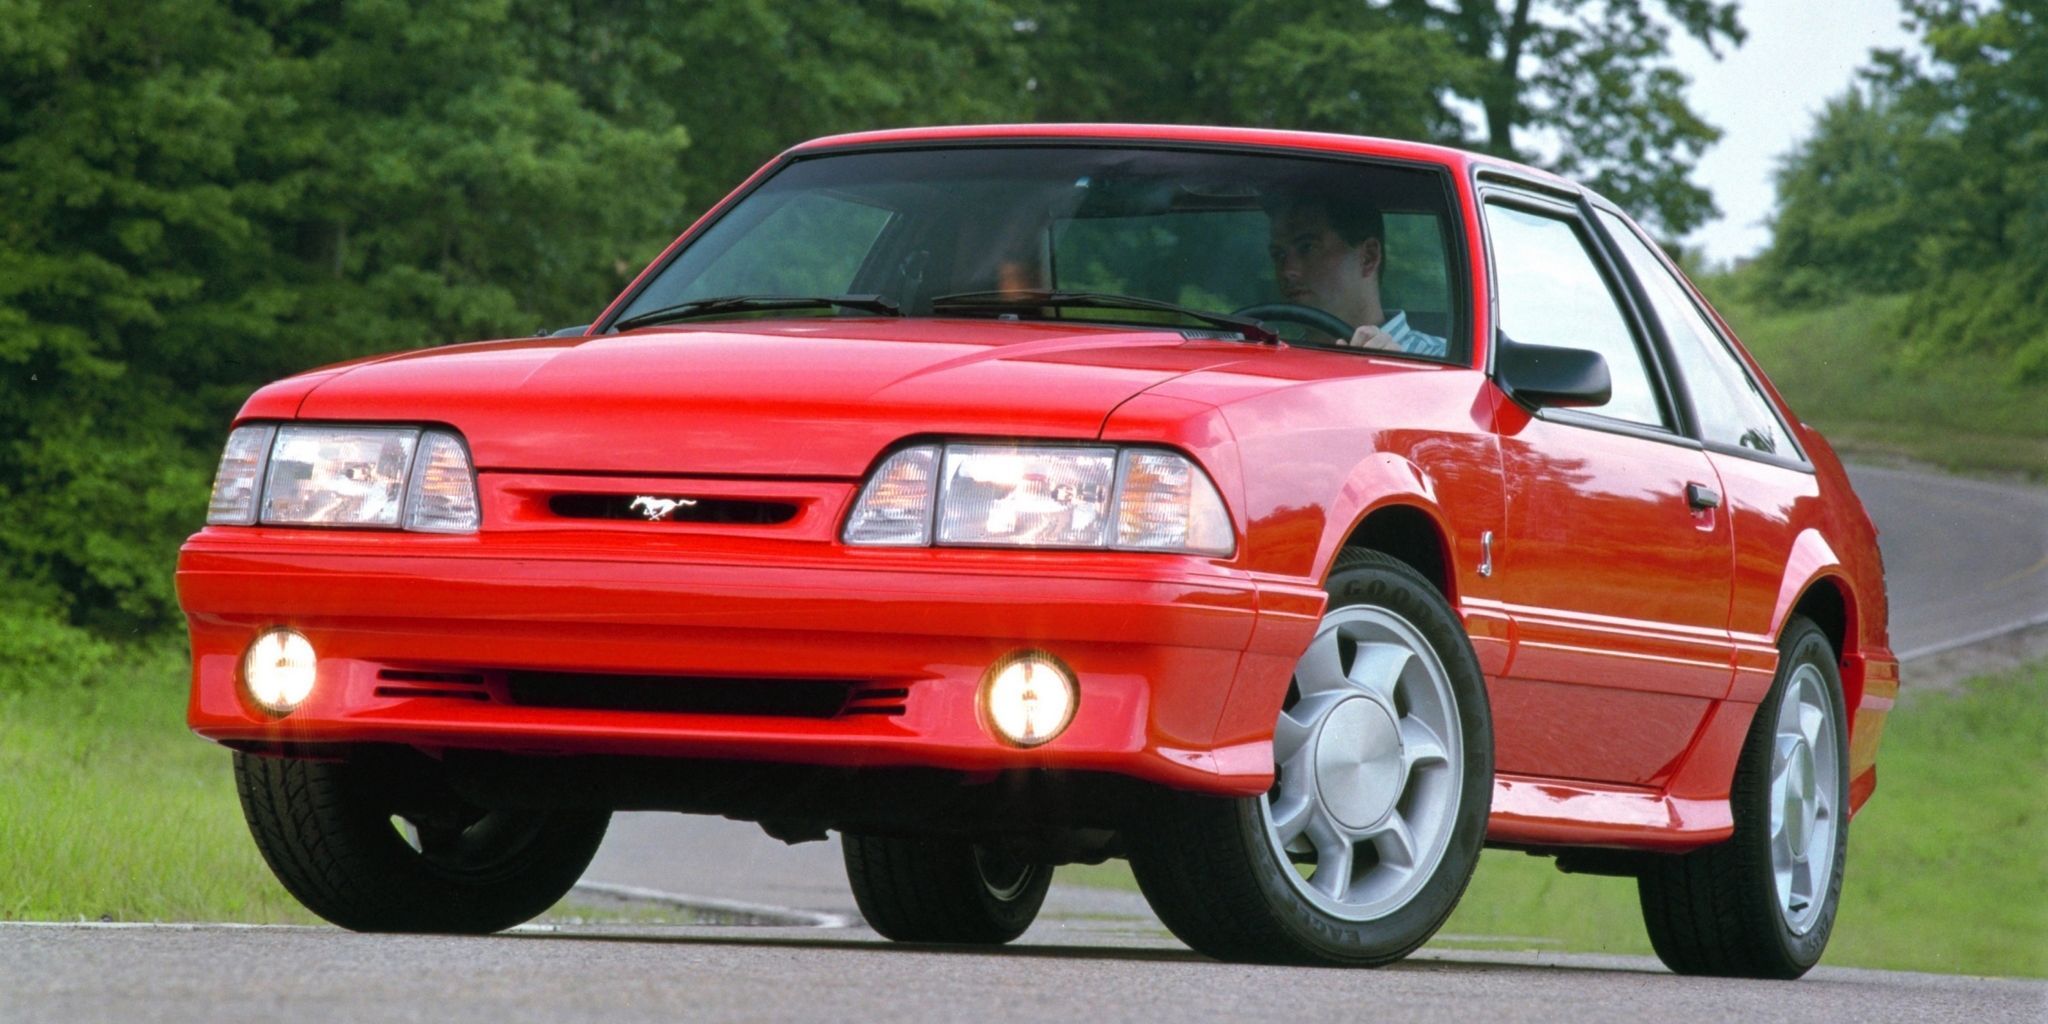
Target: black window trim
x,y
1514,192
1458,254
1640,295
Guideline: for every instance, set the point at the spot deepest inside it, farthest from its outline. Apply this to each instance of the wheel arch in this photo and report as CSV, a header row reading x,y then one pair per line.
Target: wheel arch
x,y
1410,533
1394,510
1817,586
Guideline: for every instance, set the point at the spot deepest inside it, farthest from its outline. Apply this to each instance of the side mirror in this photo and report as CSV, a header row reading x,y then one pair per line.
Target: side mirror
x,y
1540,375
563,332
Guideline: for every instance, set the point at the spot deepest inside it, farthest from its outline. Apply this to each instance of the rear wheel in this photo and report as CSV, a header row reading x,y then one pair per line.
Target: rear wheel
x,y
918,889
374,855
1762,904
1383,778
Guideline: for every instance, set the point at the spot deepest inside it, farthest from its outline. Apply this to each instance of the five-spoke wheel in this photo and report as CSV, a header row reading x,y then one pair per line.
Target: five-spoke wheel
x,y
1383,775
1762,904
1369,765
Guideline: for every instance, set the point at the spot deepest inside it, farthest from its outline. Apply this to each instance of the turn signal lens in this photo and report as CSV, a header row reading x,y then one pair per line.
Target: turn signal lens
x,y
278,670
443,498
1029,699
895,508
1167,504
240,476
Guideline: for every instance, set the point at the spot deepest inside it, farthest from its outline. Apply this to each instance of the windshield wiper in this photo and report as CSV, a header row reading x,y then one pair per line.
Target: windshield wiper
x,y
756,304
1013,300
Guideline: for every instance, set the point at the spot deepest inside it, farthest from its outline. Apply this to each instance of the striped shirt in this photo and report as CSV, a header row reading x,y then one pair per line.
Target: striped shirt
x,y
1408,339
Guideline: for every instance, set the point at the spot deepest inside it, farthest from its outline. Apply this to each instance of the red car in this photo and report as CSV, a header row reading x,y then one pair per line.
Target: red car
x,y
1290,514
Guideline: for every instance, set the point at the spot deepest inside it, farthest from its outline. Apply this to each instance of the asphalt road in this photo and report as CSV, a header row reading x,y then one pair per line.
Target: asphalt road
x,y
1966,560
766,974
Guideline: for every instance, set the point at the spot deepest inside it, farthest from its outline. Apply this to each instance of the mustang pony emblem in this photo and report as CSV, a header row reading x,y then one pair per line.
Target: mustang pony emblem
x,y
658,509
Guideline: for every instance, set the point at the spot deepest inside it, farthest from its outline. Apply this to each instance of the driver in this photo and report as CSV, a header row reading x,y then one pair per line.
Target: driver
x,y
1327,252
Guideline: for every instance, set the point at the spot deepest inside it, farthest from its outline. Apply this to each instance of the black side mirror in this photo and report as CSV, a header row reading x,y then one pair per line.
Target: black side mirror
x,y
1540,375
563,332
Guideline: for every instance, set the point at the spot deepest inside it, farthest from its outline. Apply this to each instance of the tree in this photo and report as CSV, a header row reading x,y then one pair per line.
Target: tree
x,y
1591,78
201,198
1931,178
1595,77
1849,212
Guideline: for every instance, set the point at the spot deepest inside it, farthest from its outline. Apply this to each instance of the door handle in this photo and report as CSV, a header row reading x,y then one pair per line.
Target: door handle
x,y
1701,497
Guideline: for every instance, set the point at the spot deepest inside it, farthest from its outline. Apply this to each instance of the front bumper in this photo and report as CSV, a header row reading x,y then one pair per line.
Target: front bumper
x,y
1179,672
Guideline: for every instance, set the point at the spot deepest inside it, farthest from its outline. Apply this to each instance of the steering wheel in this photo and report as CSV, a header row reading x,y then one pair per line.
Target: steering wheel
x,y
1296,313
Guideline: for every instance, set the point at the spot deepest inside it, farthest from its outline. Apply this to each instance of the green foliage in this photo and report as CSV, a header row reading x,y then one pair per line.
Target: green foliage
x,y
1931,178
44,651
1843,369
201,199
1601,81
1594,76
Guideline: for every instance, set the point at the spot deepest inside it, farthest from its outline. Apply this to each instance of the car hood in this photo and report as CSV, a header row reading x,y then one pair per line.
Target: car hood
x,y
803,398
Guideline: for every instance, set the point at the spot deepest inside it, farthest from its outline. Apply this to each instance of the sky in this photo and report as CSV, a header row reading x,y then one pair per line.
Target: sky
x,y
1764,95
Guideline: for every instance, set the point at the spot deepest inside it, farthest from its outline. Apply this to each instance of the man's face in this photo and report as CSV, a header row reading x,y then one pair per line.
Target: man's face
x,y
1312,265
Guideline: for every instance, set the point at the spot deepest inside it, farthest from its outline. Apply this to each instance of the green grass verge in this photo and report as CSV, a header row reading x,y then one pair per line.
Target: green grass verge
x,y
110,809
1948,863
1842,369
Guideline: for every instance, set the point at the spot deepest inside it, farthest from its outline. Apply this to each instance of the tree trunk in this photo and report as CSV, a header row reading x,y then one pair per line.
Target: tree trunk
x,y
1504,100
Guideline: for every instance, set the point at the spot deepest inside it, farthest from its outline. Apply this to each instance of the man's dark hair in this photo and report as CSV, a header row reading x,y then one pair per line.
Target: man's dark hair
x,y
1352,216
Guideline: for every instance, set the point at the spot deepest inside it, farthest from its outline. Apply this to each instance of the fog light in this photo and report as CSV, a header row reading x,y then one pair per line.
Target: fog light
x,y
1028,699
278,670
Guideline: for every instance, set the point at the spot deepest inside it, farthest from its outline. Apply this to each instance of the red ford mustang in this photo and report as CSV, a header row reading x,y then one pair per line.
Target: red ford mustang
x,y
1293,515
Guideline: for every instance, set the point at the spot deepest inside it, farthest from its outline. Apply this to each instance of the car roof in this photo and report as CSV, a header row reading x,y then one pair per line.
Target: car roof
x,y
1460,160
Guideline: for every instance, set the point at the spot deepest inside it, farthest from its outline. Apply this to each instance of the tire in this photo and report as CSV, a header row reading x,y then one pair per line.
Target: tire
x,y
1390,664
1726,910
941,890
333,834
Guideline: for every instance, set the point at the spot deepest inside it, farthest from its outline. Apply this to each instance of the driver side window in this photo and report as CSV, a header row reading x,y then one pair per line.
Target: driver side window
x,y
1550,292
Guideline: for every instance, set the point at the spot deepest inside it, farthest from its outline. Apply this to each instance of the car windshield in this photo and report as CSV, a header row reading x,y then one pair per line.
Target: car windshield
x,y
1305,245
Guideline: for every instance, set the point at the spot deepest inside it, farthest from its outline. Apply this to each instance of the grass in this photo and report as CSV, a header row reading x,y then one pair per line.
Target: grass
x,y
110,810
1948,863
1842,370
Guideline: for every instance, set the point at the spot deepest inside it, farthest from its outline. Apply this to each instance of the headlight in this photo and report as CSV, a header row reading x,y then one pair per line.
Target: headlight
x,y
390,477
991,495
1025,497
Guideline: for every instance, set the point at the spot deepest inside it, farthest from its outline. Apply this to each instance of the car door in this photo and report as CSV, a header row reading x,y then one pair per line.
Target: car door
x,y
1770,491
1615,565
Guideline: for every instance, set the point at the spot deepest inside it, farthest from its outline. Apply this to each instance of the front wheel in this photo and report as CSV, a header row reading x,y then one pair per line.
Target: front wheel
x,y
928,889
1762,904
375,854
1383,765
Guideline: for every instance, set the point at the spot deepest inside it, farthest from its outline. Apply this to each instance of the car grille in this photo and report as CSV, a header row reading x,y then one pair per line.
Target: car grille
x,y
735,511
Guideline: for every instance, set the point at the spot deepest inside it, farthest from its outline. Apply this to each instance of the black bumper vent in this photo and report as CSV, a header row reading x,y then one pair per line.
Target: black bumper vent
x,y
693,695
